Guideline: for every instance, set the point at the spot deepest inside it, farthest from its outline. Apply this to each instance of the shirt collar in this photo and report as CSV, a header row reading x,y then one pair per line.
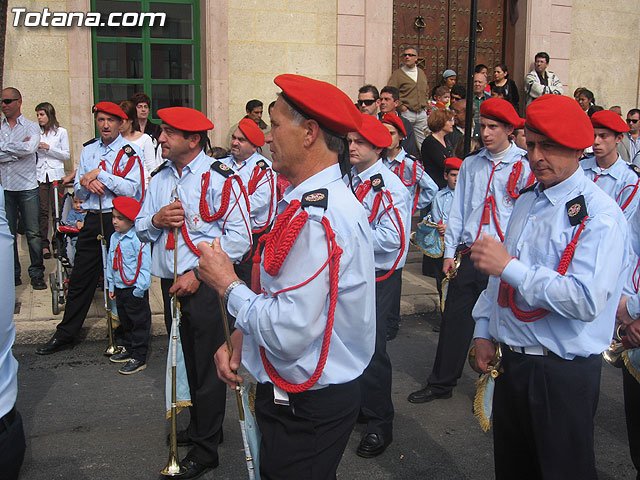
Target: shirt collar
x,y
368,173
513,154
614,170
399,157
319,180
130,233
564,189
192,167
20,120
115,145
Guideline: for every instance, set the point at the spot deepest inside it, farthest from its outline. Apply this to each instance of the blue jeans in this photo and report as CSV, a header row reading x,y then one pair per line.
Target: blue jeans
x,y
27,202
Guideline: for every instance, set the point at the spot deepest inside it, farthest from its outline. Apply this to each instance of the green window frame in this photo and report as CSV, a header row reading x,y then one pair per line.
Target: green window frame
x,y
144,45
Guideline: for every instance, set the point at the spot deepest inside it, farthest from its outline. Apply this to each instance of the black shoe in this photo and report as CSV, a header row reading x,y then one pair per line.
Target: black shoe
x,y
38,283
191,470
121,357
46,253
372,445
436,328
18,281
52,346
426,395
132,366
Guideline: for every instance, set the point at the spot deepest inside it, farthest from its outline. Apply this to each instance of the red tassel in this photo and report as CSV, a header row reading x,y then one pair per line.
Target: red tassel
x,y
171,241
503,294
486,214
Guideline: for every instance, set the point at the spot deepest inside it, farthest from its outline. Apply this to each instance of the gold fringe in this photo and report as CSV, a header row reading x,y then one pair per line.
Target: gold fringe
x,y
179,406
478,403
630,367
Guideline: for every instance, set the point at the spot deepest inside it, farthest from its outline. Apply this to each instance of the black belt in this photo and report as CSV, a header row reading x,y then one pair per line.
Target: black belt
x,y
7,420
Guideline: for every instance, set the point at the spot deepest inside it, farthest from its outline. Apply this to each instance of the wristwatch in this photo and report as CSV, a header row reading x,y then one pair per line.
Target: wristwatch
x,y
228,290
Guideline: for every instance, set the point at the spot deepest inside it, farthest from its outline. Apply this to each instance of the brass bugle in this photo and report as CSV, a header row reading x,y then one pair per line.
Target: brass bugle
x,y
613,354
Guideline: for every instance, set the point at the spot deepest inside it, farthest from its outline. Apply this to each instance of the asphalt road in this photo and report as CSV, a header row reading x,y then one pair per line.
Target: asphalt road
x,y
85,421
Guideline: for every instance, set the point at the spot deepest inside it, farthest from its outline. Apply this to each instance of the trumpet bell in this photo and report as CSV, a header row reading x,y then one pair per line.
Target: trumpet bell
x,y
172,468
613,354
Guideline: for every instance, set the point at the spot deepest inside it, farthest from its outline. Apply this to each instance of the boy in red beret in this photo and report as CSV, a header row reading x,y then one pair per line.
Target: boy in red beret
x,y
129,279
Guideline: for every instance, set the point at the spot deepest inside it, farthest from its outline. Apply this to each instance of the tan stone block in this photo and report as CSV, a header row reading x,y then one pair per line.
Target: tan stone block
x,y
242,25
265,89
311,59
351,7
268,5
30,52
60,88
565,3
350,85
236,113
351,30
379,11
257,57
350,60
286,27
313,6
34,89
560,18
241,87
327,29
561,45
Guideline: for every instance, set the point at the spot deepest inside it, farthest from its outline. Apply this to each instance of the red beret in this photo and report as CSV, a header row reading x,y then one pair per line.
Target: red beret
x,y
610,120
110,108
452,163
374,132
396,121
323,102
128,207
560,119
499,109
252,131
520,124
186,119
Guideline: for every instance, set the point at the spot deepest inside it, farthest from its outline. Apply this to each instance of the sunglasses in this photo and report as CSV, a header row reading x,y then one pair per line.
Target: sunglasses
x,y
7,101
632,120
368,103
409,55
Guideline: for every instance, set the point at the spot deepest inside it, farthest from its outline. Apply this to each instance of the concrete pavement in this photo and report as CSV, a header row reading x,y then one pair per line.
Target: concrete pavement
x,y
35,321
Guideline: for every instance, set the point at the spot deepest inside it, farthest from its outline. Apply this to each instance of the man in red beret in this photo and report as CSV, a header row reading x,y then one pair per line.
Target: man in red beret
x,y
388,205
103,173
259,181
310,333
488,182
606,167
200,199
550,303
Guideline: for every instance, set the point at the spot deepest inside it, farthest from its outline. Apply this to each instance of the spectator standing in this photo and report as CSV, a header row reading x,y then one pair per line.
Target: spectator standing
x,y
389,103
143,107
449,79
53,151
19,140
510,89
459,109
411,81
434,148
254,109
479,96
540,81
629,147
130,131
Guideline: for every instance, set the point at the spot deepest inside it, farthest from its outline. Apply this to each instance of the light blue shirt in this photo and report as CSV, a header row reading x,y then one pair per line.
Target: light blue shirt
x,y
582,303
130,248
618,181
233,228
263,201
469,196
8,364
633,272
428,187
291,325
442,205
18,146
384,228
90,159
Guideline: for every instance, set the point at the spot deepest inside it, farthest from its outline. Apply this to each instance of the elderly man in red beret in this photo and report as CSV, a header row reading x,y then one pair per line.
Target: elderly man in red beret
x,y
201,200
489,181
606,167
103,174
259,181
551,302
310,332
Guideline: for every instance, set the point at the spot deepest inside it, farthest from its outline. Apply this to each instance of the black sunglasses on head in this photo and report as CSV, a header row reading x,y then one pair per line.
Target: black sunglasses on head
x,y
368,102
8,101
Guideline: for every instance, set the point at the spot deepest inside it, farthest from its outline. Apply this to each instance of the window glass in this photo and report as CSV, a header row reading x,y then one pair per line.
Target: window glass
x,y
172,96
172,61
178,23
119,60
106,8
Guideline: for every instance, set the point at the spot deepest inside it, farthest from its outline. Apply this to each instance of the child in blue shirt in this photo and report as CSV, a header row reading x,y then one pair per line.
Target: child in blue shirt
x,y
129,279
443,199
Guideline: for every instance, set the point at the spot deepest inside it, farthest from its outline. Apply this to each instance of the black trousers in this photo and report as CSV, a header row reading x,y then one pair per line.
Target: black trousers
x,y
393,318
375,382
87,270
135,319
631,389
201,333
12,447
543,409
305,439
456,328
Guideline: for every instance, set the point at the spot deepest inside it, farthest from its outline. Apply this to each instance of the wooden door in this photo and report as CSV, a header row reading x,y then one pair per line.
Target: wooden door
x,y
439,30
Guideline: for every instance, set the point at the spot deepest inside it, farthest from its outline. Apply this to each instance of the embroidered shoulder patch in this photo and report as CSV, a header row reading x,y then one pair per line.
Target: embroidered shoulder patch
x,y
576,210
222,169
377,182
316,198
635,168
89,142
262,164
128,149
